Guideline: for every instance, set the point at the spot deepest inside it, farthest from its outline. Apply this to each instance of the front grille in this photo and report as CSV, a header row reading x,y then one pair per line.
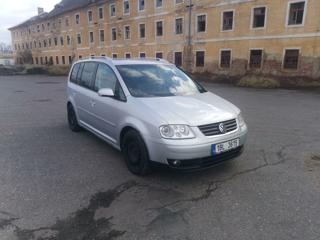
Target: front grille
x,y
213,129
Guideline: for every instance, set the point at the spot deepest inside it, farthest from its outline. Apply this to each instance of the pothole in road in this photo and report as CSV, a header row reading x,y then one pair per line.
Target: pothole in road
x,y
43,100
48,82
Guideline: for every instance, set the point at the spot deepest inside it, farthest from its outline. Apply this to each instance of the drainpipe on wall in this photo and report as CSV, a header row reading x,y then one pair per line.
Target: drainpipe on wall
x,y
189,40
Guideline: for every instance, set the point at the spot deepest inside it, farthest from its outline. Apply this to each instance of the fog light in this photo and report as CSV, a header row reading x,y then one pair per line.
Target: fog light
x,y
176,163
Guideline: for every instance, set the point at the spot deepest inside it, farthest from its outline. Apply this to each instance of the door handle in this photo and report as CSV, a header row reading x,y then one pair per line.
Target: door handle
x,y
92,103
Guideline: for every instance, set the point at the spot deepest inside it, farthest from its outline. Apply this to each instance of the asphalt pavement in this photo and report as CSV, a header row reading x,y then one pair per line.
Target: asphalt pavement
x,y
56,184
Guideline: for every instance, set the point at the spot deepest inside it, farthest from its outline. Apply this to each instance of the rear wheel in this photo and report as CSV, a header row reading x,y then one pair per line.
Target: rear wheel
x,y
136,153
72,119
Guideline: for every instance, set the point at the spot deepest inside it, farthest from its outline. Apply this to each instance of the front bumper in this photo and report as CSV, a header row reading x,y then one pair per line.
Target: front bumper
x,y
195,153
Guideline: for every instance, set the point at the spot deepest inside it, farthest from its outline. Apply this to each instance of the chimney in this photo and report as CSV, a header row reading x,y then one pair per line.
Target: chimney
x,y
40,10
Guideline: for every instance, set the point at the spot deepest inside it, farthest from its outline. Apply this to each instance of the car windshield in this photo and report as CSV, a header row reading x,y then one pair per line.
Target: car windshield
x,y
157,80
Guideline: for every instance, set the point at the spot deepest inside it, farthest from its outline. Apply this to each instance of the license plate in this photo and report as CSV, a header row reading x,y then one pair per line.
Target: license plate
x,y
225,146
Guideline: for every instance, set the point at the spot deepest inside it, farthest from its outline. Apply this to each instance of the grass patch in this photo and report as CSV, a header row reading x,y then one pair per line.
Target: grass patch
x,y
254,81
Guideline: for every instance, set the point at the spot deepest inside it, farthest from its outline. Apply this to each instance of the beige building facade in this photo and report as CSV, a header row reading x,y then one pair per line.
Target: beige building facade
x,y
233,37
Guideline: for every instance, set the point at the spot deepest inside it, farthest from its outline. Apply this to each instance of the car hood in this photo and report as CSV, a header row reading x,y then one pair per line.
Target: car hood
x,y
194,110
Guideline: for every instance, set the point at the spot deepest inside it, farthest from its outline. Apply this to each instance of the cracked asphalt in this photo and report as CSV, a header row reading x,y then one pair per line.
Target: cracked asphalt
x,y
55,184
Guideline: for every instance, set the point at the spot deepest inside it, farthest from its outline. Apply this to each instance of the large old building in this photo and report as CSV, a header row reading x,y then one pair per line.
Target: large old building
x,y
279,37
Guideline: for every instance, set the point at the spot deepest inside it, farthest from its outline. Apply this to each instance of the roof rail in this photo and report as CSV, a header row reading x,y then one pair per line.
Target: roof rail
x,y
144,59
136,59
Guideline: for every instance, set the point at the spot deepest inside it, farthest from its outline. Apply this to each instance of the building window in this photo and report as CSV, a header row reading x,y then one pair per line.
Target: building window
x,y
68,40
90,17
178,59
114,34
55,41
227,21
100,13
200,58
255,59
159,55
159,28
67,22
179,26
225,58
79,38
37,60
112,10
142,5
201,23
142,30
142,55
159,3
91,38
77,18
63,60
291,59
114,55
259,17
44,44
296,13
101,35
126,7
127,32
80,57
61,40
70,59
57,60
41,60
127,55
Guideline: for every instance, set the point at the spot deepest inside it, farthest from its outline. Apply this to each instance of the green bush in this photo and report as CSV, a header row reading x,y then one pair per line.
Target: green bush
x,y
35,70
254,81
58,70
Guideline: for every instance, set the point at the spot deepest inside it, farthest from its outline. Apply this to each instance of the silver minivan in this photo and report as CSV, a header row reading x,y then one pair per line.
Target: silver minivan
x,y
154,113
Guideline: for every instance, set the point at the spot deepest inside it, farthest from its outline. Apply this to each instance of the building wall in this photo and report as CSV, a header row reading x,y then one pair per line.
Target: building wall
x,y
273,39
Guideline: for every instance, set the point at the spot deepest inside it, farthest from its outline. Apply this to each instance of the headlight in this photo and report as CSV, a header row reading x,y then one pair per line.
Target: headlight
x,y
176,132
241,120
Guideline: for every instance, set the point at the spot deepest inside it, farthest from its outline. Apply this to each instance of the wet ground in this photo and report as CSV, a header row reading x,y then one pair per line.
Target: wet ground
x,y
55,184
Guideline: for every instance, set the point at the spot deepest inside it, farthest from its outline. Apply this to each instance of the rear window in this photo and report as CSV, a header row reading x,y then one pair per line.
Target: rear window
x,y
88,75
73,77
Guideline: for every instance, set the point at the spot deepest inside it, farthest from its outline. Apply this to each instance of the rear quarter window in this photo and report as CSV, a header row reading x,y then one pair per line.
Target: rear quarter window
x,y
74,73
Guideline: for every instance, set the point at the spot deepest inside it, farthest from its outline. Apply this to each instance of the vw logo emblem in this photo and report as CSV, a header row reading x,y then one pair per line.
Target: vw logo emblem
x,y
221,128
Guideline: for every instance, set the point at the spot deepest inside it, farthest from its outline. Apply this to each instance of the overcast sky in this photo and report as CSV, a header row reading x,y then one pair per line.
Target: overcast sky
x,y
13,12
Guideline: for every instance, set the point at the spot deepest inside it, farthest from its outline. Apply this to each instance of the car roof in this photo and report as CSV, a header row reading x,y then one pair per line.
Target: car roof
x,y
115,62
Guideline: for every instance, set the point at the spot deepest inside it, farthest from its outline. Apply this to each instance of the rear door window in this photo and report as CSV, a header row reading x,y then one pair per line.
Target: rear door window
x,y
105,78
88,74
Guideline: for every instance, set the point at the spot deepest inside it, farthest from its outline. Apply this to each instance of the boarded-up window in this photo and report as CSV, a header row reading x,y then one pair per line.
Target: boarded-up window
x,y
201,23
255,59
259,17
200,58
296,13
227,21
225,59
178,59
159,55
159,28
291,59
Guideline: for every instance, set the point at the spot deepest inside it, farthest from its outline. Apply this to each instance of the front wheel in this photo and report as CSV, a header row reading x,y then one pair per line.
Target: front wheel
x,y
136,153
72,119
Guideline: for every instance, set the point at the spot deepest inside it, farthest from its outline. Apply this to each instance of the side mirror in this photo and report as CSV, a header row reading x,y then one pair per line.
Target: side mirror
x,y
106,92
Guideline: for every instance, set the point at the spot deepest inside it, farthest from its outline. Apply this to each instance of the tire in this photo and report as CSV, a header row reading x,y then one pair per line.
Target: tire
x,y
136,153
72,119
